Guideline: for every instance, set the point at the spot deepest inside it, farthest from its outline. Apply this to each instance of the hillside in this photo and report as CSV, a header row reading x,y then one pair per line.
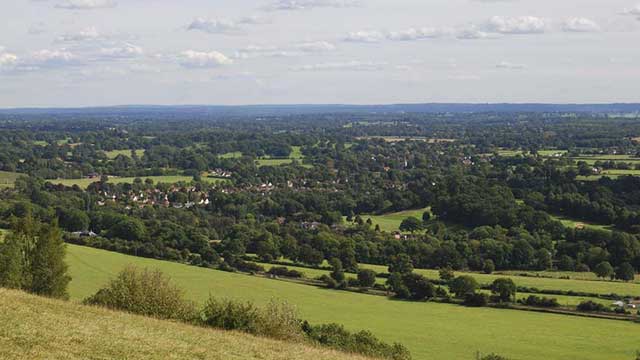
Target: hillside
x,y
429,330
35,328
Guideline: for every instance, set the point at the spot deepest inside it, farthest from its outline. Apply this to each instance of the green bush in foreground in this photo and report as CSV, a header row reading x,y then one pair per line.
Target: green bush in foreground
x,y
278,321
144,292
151,293
362,342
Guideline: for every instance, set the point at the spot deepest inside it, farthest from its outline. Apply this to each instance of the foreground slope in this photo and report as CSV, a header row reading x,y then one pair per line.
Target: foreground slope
x,y
429,330
37,328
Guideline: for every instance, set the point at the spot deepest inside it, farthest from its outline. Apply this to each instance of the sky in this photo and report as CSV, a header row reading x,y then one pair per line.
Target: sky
x,y
71,53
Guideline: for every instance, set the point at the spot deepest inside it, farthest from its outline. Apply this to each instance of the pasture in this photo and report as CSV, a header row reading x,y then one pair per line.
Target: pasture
x,y
429,330
115,153
391,222
170,179
8,179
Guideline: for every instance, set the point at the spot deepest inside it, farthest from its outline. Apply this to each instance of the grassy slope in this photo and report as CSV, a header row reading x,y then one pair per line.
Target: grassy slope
x,y
7,179
430,330
114,153
39,328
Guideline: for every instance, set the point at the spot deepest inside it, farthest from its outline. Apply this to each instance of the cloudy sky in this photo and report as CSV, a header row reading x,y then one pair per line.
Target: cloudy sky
x,y
108,52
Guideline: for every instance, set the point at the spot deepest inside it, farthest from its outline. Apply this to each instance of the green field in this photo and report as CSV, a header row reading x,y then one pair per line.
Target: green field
x,y
7,179
573,223
115,153
391,222
232,155
430,330
171,179
596,287
563,300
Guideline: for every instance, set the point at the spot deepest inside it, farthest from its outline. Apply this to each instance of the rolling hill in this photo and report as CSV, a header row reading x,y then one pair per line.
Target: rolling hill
x,y
429,330
38,328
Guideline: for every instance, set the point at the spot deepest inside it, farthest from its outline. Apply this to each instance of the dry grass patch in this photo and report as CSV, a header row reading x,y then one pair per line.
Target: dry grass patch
x,y
37,328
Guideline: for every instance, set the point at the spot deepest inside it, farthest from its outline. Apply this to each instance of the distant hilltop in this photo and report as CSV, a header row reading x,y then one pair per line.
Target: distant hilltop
x,y
304,109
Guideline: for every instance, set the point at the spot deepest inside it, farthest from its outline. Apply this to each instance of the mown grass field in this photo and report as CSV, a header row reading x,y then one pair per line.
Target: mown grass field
x,y
563,300
391,222
171,179
38,328
115,153
8,179
430,330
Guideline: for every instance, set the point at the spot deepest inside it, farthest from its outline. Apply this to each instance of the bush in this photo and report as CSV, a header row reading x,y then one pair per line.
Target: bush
x,y
144,292
493,357
366,278
591,306
504,289
476,300
463,285
248,266
533,300
277,321
283,271
363,342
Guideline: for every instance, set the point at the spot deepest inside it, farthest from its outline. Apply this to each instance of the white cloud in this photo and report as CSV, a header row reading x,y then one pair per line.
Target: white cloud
x,y
579,24
365,36
52,58
310,4
200,59
411,34
416,34
121,52
634,11
315,46
517,25
224,26
90,33
7,59
300,49
353,65
87,4
510,66
472,33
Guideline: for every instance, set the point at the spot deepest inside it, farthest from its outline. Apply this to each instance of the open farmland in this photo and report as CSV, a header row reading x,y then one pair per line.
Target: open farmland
x,y
430,330
391,222
115,153
169,179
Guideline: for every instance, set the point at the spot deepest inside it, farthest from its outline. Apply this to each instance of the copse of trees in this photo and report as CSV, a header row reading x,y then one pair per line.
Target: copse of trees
x,y
32,259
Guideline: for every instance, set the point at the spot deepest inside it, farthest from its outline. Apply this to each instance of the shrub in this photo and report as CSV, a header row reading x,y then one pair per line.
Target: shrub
x,y
493,357
463,285
488,266
248,266
363,342
144,292
366,278
283,271
278,321
504,289
420,288
476,300
533,300
591,306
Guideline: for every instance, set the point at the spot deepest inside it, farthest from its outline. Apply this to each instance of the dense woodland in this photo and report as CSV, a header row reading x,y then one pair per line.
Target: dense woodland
x,y
487,208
